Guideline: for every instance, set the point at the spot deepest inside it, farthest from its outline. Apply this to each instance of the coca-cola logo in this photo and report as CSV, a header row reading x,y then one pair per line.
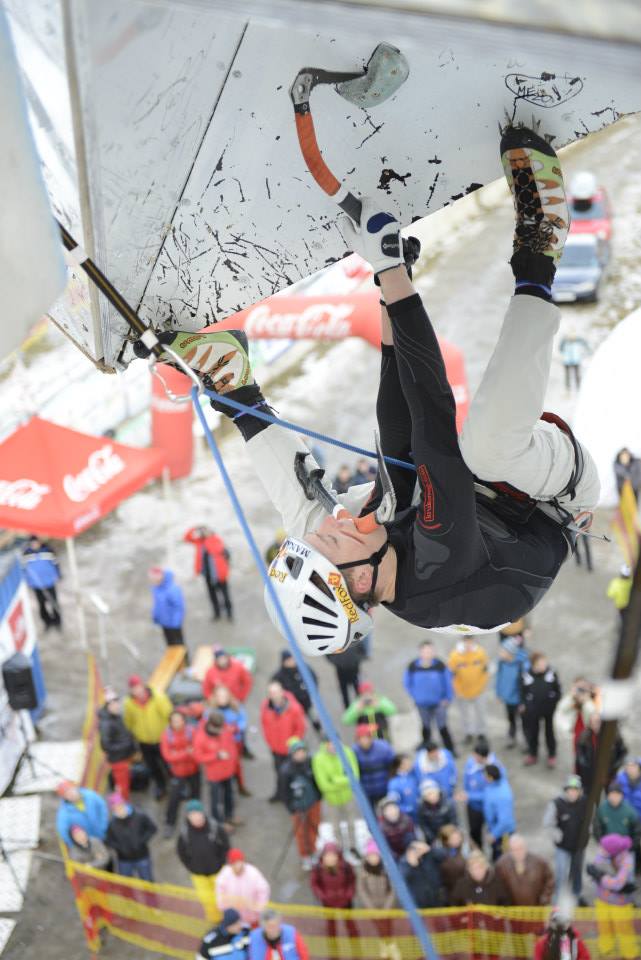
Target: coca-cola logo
x,y
102,466
318,321
23,494
18,625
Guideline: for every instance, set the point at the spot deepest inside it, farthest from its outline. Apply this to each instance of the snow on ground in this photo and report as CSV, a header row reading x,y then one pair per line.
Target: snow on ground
x,y
334,391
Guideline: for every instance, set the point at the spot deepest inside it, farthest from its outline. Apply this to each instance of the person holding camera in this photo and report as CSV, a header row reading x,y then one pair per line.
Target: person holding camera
x,y
372,708
575,709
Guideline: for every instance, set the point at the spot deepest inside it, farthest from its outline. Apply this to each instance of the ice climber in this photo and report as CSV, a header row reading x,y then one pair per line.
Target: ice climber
x,y
496,511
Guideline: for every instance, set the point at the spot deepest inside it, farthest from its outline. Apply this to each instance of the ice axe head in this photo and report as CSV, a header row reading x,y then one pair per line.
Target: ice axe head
x,y
386,70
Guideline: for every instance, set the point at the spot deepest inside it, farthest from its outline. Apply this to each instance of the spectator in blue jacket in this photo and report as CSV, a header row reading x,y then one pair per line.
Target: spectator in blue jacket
x,y
80,807
375,757
429,683
436,763
630,780
498,809
513,659
474,784
168,610
41,571
404,785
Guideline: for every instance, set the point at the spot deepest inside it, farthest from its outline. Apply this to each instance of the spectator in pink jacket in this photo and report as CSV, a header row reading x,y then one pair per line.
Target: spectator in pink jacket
x,y
241,886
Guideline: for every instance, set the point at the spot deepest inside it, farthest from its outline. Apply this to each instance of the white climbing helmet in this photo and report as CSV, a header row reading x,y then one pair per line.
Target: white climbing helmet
x,y
583,185
316,600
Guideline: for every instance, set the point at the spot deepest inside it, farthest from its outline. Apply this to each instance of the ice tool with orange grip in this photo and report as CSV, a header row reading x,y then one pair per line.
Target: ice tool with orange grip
x,y
384,73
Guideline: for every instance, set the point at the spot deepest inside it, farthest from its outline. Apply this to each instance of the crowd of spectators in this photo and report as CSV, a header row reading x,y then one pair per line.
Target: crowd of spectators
x,y
447,809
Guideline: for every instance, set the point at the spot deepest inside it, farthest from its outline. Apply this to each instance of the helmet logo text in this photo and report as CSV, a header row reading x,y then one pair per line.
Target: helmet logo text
x,y
336,582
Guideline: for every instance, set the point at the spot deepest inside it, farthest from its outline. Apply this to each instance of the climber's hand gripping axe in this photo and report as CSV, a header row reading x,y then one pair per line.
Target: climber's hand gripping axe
x,y
311,482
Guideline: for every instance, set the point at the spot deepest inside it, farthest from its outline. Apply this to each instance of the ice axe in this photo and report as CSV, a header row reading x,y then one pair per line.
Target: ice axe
x,y
310,481
383,74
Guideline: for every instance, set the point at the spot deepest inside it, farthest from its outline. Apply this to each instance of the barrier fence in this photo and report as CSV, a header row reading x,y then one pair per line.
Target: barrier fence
x,y
95,770
170,920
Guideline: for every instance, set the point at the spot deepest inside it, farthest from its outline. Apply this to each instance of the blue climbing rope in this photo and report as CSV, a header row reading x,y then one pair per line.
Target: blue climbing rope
x,y
323,438
396,878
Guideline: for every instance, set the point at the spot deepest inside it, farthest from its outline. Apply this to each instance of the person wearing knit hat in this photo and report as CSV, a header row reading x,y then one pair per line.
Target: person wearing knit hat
x,y
615,815
373,887
370,707
117,742
301,796
629,777
336,792
397,828
613,872
434,811
513,659
145,714
474,786
333,883
230,938
242,886
563,817
202,849
80,807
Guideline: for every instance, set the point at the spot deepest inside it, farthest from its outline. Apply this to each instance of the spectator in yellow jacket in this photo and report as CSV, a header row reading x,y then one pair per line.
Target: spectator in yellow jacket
x,y
469,665
619,589
146,713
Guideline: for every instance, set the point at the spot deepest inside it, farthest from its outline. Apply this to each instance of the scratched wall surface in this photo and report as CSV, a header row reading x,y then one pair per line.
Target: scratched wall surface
x,y
201,201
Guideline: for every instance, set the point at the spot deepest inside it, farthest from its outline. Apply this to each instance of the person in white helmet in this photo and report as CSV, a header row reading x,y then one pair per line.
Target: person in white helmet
x,y
463,556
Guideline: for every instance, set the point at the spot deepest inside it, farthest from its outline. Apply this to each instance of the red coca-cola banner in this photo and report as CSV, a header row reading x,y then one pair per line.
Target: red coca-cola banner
x,y
335,317
57,482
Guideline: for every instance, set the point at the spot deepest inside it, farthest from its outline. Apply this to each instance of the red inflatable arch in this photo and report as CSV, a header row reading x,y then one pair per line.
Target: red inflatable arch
x,y
335,317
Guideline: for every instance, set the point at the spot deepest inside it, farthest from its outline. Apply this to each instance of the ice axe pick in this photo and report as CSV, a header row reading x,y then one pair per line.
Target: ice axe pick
x,y
311,482
383,74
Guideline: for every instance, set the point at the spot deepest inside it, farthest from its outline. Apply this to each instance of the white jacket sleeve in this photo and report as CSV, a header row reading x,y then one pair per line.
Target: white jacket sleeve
x,y
272,452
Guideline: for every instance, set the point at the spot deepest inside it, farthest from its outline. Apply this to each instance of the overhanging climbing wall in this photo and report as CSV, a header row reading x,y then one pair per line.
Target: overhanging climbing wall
x,y
168,137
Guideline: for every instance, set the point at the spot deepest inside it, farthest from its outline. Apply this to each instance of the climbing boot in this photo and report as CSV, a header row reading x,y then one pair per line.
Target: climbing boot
x,y
219,357
534,176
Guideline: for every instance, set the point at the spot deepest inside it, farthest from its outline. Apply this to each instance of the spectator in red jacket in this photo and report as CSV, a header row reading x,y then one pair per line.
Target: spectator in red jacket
x,y
333,880
560,940
228,672
282,718
212,563
334,883
177,749
215,748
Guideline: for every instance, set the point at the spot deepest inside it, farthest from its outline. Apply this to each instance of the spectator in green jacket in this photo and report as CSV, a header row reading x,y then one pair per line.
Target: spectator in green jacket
x,y
336,791
616,815
370,708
